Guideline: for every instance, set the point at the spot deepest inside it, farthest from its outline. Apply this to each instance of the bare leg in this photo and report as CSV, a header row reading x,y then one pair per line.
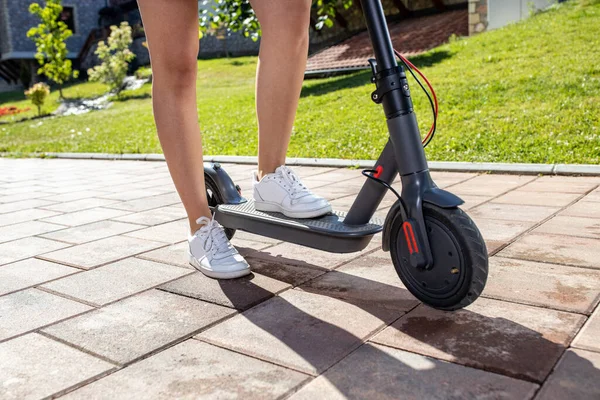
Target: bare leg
x,y
172,32
282,61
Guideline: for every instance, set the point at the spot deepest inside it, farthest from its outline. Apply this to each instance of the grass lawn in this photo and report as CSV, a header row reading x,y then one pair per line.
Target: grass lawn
x,y
529,92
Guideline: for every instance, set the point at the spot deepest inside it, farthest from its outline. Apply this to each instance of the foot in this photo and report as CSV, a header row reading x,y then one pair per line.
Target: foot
x,y
283,192
212,254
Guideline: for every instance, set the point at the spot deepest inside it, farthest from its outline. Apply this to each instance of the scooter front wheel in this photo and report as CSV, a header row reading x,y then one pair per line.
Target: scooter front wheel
x,y
460,260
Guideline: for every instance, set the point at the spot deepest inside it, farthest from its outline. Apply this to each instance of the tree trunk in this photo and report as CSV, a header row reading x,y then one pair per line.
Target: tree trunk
x,y
39,110
60,92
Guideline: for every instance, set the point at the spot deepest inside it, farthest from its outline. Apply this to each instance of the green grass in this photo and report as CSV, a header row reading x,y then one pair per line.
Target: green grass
x,y
529,92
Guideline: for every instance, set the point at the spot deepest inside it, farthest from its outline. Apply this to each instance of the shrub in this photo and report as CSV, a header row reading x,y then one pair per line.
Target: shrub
x,y
115,57
38,94
143,73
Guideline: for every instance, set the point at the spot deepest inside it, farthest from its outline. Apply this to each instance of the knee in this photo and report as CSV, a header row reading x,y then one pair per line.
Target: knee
x,y
291,25
176,68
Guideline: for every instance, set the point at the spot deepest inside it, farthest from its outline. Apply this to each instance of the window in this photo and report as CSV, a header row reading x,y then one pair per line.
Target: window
x,y
68,17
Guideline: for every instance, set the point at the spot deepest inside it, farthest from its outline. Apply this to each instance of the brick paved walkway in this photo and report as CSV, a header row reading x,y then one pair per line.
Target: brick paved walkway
x,y
96,300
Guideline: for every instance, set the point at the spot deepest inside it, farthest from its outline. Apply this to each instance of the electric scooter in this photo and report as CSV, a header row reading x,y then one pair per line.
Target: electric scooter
x,y
437,250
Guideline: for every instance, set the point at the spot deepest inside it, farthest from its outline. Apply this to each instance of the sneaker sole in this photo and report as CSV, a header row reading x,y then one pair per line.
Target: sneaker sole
x,y
216,275
270,207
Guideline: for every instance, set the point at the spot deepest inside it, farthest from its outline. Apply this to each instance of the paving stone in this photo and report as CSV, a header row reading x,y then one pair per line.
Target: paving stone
x,y
499,230
473,201
540,284
79,205
173,254
94,254
255,238
35,367
154,217
577,376
27,247
31,309
172,232
588,337
585,209
593,196
306,331
511,339
23,196
550,199
494,245
23,205
148,203
240,294
25,215
75,195
293,275
511,212
556,249
447,179
246,247
115,281
85,216
134,327
371,283
561,184
490,185
30,272
90,232
572,226
291,254
379,372
194,370
25,229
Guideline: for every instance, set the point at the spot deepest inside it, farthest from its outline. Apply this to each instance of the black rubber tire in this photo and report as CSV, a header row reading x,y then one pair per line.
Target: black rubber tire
x,y
214,199
470,259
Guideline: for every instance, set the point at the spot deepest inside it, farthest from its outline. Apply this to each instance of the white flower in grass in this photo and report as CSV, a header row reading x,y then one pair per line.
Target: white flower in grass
x,y
87,129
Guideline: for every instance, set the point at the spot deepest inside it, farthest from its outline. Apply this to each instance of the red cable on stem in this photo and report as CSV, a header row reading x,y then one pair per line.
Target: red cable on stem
x,y
435,100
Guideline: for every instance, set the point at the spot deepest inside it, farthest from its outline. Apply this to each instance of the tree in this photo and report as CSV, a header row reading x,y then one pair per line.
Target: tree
x,y
38,94
49,37
237,15
115,58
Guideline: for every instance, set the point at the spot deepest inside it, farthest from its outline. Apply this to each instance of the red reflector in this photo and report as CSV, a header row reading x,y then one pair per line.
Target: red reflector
x,y
379,171
410,237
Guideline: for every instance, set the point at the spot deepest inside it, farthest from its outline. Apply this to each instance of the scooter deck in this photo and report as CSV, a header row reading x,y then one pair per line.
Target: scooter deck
x,y
327,233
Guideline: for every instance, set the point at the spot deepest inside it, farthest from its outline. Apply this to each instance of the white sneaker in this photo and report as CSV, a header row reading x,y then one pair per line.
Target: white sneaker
x,y
212,254
283,192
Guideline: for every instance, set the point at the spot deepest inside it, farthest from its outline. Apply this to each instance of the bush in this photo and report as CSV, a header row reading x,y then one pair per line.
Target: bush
x,y
115,57
38,94
143,73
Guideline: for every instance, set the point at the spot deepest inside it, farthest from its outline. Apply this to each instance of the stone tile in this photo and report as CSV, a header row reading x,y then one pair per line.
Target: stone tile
x,y
25,229
584,209
291,254
86,216
100,252
27,247
561,184
25,215
74,195
371,283
556,249
134,327
90,232
30,272
507,338
79,205
194,370
512,212
35,367
339,174
255,238
240,294
154,217
23,205
494,245
173,254
293,275
547,285
23,196
498,230
593,196
171,232
473,201
577,376
447,179
148,203
572,226
522,197
490,185
383,373
115,281
247,247
588,337
306,331
30,309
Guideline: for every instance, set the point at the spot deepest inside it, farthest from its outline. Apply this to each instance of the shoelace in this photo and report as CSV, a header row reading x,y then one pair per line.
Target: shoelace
x,y
216,240
297,189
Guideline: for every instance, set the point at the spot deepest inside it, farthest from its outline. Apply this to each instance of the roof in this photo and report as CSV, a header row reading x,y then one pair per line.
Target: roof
x,y
410,36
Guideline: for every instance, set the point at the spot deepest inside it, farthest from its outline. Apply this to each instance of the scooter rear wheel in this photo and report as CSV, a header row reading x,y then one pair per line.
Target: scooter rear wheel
x,y
460,266
214,199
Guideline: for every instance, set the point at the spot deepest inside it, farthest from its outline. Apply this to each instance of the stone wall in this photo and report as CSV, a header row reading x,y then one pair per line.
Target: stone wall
x,y
478,12
4,38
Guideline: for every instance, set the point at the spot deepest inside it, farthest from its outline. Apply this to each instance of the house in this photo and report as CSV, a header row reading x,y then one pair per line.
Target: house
x,y
492,14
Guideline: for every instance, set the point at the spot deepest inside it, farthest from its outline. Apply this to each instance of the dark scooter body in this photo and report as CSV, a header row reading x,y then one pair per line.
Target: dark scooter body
x,y
436,248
